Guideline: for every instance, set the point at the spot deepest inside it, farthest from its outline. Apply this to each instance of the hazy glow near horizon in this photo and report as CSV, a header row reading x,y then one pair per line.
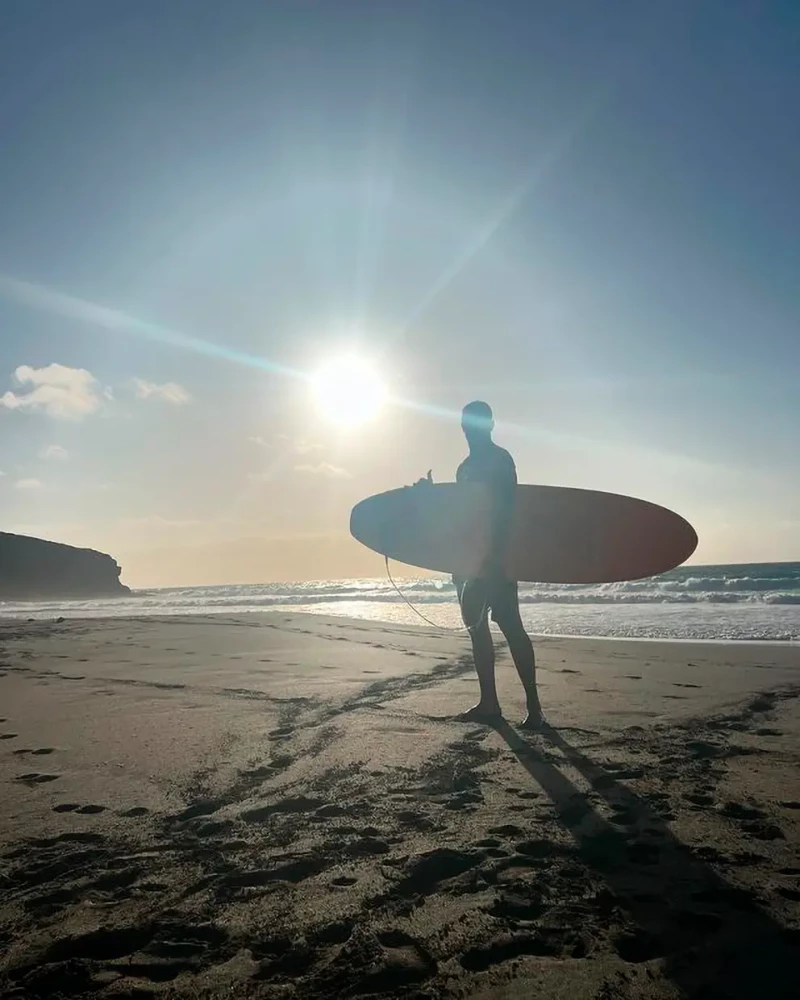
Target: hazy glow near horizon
x,y
349,391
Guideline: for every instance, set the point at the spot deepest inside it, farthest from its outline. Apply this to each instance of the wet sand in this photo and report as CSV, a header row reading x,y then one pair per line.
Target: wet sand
x,y
282,806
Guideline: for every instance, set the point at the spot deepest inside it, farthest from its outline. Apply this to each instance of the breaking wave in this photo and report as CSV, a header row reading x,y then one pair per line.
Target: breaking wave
x,y
730,602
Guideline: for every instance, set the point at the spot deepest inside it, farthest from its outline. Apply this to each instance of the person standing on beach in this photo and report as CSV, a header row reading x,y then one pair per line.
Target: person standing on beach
x,y
491,592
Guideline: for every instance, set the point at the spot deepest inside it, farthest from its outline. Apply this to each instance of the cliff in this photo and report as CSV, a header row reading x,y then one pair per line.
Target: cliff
x,y
32,569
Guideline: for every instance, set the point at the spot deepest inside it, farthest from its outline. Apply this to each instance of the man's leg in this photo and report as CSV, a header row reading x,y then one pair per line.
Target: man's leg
x,y
474,612
506,614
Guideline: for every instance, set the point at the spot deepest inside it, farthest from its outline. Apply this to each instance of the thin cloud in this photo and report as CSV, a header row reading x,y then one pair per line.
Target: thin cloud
x,y
27,484
307,448
286,443
284,450
324,469
168,392
57,390
54,452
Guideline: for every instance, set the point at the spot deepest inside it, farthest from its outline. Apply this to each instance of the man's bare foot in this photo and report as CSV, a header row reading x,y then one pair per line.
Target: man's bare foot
x,y
534,719
481,713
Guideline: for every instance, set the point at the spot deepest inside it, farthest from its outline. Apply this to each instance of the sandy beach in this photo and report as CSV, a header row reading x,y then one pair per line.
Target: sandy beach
x,y
280,805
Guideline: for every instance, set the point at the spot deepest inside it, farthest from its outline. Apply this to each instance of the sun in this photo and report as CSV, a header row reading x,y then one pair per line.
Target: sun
x,y
349,391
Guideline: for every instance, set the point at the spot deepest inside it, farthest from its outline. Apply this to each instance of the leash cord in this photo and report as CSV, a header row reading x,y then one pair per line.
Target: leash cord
x,y
419,614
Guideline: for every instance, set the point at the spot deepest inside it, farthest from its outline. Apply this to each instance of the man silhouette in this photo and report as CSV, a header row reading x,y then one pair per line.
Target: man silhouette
x,y
491,591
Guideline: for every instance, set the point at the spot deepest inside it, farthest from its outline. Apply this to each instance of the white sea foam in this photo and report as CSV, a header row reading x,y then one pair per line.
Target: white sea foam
x,y
712,602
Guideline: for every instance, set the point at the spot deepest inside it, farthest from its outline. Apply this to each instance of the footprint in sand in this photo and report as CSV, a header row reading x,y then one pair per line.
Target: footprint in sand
x,y
761,830
33,778
282,733
76,807
489,842
134,812
507,830
343,881
699,799
520,793
416,820
737,810
8,736
39,752
624,816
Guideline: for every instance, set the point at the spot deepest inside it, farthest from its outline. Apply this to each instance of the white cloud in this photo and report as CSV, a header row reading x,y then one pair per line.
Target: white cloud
x,y
60,391
298,446
324,469
27,484
285,443
56,452
285,450
169,392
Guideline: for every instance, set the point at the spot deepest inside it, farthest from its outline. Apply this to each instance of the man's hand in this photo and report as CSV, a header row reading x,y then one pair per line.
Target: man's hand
x,y
426,480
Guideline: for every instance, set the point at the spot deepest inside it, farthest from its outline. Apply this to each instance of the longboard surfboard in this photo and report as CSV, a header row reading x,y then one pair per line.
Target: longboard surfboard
x,y
557,534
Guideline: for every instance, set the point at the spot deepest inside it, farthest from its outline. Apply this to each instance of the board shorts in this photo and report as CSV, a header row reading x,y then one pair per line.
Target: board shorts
x,y
499,597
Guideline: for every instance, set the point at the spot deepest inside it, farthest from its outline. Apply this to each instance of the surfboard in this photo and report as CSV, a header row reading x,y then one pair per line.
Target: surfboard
x,y
557,534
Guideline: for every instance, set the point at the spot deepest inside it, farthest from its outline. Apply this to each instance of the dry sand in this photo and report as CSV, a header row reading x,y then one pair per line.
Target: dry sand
x,y
279,806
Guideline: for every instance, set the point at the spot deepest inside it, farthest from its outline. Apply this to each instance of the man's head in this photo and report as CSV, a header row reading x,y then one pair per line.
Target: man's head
x,y
477,422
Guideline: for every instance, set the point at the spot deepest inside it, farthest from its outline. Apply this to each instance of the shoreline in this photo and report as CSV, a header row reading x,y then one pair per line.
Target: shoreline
x,y
387,623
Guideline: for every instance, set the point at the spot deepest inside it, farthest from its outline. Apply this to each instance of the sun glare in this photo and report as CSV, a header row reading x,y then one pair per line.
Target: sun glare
x,y
349,391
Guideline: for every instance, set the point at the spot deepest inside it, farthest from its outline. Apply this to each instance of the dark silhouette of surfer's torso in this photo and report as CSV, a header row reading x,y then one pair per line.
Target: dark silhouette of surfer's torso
x,y
488,464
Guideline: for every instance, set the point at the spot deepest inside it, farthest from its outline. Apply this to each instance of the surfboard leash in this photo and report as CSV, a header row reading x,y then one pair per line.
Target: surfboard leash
x,y
419,614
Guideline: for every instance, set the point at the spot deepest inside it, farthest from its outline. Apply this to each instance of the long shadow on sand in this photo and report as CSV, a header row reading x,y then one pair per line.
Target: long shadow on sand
x,y
713,939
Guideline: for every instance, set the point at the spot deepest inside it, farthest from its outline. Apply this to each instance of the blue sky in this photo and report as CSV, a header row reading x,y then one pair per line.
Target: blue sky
x,y
586,213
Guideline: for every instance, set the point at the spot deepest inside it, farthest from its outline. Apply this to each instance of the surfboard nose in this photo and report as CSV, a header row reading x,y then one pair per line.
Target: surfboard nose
x,y
373,522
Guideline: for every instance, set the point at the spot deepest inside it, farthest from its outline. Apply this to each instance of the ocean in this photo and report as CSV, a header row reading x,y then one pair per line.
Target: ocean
x,y
751,602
